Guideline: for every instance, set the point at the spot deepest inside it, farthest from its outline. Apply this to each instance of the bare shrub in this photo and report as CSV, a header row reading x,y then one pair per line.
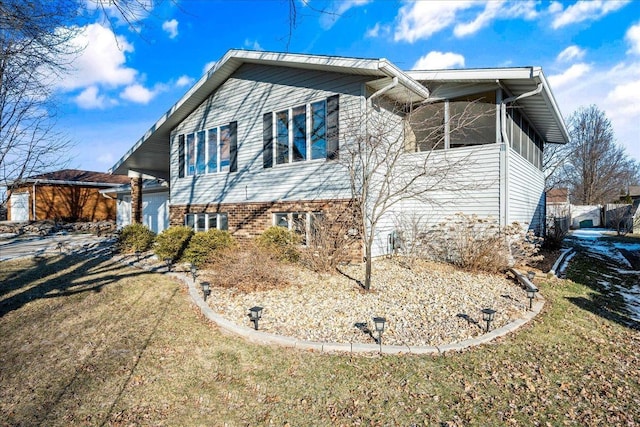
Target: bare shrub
x,y
524,245
479,244
557,230
328,244
250,268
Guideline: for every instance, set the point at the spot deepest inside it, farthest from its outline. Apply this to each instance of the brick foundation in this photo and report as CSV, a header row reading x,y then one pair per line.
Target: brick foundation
x,y
248,220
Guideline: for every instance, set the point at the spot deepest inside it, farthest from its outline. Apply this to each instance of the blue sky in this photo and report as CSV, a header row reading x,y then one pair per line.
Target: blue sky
x,y
126,78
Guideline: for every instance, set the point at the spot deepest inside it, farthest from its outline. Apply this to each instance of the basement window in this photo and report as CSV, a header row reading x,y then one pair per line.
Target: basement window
x,y
207,221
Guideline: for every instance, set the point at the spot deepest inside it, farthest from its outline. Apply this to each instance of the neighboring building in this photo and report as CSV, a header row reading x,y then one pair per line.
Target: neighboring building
x,y
69,195
257,141
558,205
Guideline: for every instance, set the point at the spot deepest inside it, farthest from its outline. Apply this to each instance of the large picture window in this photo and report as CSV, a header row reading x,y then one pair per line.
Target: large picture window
x,y
301,133
208,151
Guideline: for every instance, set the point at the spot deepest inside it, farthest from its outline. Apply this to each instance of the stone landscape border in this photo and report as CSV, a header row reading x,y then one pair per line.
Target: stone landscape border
x,y
259,337
102,248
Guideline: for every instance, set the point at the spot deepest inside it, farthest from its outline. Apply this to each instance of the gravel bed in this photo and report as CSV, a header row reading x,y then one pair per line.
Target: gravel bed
x,y
430,304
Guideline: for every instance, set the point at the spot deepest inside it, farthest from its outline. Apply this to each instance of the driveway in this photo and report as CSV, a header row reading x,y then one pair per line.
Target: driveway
x,y
23,246
610,265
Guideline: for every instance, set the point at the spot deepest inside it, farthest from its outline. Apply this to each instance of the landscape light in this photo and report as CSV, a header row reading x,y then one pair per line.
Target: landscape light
x,y
194,271
531,294
379,325
487,315
531,275
168,262
255,314
206,290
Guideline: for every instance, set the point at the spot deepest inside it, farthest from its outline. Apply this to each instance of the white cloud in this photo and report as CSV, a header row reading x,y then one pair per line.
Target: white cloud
x,y
101,59
439,60
496,10
90,98
571,75
583,10
422,19
615,91
208,66
329,18
571,53
138,94
171,28
633,37
378,31
254,45
184,81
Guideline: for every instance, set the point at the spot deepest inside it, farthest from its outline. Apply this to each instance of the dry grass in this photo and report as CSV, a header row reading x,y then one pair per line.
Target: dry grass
x,y
88,342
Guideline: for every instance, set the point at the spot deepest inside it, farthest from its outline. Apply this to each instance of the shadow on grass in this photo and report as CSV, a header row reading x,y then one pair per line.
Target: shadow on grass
x,y
43,278
597,306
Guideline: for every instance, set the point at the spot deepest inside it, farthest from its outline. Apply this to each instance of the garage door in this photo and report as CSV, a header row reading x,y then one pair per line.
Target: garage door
x,y
20,207
123,211
155,211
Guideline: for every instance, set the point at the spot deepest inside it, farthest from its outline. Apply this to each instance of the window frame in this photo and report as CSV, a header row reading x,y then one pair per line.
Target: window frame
x,y
311,138
308,219
196,151
220,217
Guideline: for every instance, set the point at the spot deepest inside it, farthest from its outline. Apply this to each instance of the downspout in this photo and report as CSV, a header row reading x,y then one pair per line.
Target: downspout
x,y
369,104
504,149
394,83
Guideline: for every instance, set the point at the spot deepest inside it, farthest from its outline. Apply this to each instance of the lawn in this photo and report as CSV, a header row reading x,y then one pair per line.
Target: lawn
x,y
89,342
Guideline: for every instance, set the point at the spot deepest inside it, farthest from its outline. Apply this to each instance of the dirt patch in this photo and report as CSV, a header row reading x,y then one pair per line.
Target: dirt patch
x,y
549,258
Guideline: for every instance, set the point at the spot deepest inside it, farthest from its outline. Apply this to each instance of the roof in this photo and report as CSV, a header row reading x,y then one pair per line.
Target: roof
x,y
558,195
150,154
634,190
541,107
74,177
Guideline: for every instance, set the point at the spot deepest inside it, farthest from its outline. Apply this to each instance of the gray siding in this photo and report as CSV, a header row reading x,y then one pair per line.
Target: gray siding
x,y
252,91
526,203
472,188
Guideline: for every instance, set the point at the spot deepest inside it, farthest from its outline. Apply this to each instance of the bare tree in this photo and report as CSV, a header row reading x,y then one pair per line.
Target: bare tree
x,y
33,38
597,169
393,155
553,163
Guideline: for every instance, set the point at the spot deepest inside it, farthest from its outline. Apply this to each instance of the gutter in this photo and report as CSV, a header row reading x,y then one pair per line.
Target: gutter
x,y
389,69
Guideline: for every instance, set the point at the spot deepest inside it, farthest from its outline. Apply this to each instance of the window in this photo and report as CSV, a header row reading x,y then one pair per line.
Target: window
x,y
302,223
207,221
424,128
460,122
304,132
472,120
208,151
524,139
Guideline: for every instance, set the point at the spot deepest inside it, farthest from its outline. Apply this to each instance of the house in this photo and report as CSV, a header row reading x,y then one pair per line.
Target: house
x,y
558,209
260,140
68,194
558,202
